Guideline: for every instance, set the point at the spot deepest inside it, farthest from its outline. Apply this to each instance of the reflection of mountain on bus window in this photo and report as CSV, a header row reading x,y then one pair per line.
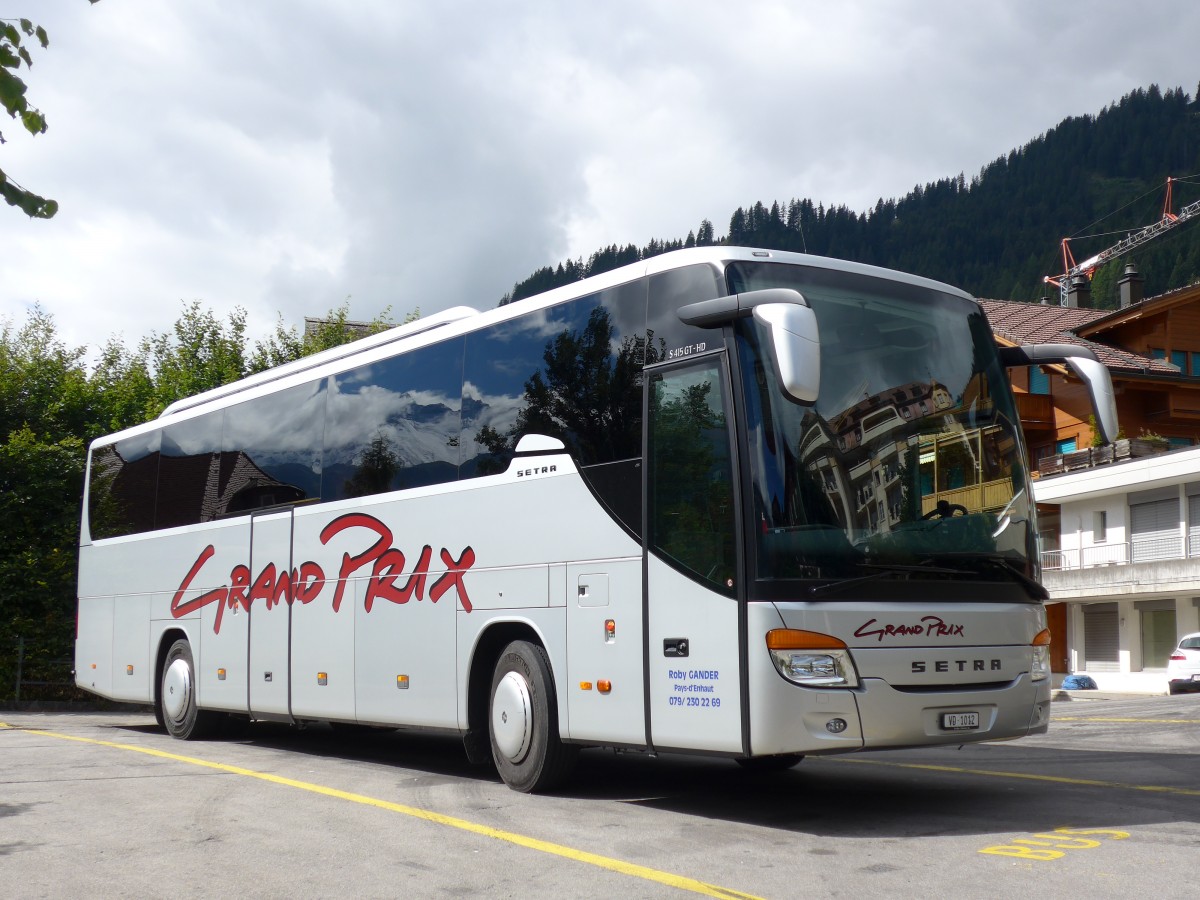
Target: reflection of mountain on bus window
x,y
581,384
579,391
394,423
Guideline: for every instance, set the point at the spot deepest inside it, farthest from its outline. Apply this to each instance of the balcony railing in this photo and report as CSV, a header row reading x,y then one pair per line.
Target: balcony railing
x,y
1120,554
1089,457
975,497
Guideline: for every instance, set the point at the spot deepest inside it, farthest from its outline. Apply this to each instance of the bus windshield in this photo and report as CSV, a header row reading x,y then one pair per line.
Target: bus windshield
x,y
909,465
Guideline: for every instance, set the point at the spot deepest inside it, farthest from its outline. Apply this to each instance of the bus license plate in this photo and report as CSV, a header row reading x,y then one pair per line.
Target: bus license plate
x,y
959,721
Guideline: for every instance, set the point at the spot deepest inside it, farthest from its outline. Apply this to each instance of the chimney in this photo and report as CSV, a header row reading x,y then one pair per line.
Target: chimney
x,y
1079,294
1131,286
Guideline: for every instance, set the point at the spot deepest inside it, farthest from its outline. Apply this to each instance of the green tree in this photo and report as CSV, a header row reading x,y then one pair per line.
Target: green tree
x,y
198,354
43,383
122,386
47,412
14,51
40,481
51,408
332,330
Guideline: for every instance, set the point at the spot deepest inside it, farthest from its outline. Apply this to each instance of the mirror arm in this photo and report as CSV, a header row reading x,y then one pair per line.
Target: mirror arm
x,y
715,313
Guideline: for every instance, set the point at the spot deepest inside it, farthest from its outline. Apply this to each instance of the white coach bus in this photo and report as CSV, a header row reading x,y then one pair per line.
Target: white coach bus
x,y
727,501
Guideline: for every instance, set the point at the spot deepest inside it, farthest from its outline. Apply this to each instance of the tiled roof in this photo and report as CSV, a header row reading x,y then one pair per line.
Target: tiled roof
x,y
1033,323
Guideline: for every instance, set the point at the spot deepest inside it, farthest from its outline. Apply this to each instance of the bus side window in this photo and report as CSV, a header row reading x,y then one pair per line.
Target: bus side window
x,y
394,424
189,471
123,486
271,451
569,371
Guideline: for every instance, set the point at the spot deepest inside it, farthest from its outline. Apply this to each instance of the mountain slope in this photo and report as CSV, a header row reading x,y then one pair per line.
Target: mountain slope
x,y
996,234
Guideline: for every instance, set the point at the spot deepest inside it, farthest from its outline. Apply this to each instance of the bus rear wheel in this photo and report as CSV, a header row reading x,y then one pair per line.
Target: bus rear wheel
x,y
523,721
181,716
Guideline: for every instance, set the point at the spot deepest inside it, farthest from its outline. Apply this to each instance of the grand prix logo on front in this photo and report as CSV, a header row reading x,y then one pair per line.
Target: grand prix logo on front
x,y
306,582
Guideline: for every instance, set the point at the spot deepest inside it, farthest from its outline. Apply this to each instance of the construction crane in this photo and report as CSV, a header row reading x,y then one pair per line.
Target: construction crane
x,y
1073,269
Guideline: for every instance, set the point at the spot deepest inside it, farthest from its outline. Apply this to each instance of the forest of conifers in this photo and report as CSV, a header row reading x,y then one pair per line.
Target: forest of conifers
x,y
995,234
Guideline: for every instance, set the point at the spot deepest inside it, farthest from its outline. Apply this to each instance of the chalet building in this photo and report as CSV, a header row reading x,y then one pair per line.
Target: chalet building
x,y
1119,523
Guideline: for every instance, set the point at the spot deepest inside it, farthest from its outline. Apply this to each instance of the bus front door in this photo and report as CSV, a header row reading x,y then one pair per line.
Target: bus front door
x,y
691,559
271,617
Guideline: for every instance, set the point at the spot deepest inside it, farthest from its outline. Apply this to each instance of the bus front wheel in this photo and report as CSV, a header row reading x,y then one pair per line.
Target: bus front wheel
x,y
177,698
523,721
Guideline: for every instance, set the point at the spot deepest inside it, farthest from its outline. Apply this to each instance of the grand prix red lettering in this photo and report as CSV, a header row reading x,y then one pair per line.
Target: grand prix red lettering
x,y
453,577
304,584
931,626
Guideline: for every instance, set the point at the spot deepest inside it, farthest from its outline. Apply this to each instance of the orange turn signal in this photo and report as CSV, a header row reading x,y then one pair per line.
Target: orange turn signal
x,y
795,639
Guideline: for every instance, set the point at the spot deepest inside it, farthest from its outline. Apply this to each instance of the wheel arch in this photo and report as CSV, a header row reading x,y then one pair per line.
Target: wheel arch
x,y
485,653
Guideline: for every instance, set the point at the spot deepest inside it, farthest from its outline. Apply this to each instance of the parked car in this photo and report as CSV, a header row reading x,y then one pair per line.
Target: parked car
x,y
1183,668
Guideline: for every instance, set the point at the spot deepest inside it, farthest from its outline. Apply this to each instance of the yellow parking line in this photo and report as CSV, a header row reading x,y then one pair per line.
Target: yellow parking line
x,y
593,859
1055,718
1057,779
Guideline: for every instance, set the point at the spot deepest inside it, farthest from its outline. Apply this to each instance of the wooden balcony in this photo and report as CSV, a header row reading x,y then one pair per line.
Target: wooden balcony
x,y
989,495
1036,411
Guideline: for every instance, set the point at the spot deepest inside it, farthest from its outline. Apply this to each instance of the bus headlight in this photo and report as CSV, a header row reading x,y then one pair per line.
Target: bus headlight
x,y
811,659
1039,667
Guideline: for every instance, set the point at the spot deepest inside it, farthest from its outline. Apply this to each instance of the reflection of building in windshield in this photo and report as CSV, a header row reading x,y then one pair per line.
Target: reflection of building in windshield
x,y
893,455
876,461
968,468
878,415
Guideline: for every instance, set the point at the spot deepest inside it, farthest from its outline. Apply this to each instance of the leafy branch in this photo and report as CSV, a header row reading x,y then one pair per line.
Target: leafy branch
x,y
14,51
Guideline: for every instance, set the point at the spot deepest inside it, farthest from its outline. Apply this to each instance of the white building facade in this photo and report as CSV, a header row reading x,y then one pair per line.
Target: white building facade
x,y
1124,559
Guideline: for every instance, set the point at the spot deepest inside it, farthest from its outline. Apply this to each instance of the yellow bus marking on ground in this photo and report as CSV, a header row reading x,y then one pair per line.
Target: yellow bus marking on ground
x,y
521,840
1024,776
1054,718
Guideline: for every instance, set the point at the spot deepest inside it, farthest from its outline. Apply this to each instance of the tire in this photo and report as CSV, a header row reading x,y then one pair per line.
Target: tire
x,y
523,721
763,764
177,697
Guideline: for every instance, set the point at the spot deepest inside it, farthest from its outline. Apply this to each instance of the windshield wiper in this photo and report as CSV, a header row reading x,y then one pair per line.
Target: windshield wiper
x,y
884,571
998,562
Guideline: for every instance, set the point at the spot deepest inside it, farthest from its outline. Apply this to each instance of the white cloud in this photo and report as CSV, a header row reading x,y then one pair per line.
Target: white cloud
x,y
283,156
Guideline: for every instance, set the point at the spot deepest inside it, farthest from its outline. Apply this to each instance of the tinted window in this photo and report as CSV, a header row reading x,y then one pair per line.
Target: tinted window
x,y
394,424
189,472
271,451
691,475
669,337
123,486
572,371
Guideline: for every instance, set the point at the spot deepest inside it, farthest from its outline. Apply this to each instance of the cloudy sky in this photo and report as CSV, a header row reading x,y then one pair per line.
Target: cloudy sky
x,y
284,155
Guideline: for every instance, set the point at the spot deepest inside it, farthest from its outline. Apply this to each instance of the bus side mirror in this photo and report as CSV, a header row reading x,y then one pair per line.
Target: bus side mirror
x,y
796,346
1086,366
791,326
1092,373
